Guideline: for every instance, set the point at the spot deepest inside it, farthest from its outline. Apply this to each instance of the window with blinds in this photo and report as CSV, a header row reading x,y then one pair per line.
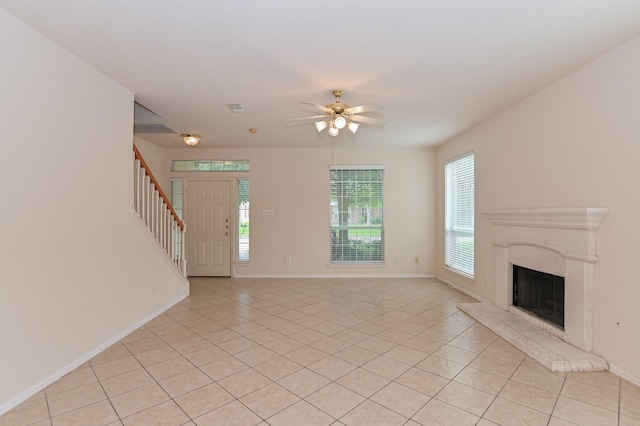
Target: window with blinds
x,y
460,214
209,166
356,208
243,220
176,189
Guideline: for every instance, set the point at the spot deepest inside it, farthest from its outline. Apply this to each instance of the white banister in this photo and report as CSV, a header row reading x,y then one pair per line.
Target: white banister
x,y
156,212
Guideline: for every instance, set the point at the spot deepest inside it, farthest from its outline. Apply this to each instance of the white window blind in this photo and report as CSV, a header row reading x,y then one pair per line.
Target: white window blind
x,y
177,195
356,207
460,214
243,220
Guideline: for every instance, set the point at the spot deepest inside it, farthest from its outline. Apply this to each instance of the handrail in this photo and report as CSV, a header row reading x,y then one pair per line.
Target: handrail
x,y
157,214
158,188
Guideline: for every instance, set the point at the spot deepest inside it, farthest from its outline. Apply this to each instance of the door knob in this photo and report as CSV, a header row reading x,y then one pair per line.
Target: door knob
x,y
226,233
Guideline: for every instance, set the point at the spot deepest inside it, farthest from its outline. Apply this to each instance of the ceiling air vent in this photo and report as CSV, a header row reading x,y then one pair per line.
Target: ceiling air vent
x,y
235,107
147,121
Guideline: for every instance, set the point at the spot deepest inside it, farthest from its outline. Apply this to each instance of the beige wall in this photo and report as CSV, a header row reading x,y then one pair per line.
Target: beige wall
x,y
294,183
575,143
154,157
76,269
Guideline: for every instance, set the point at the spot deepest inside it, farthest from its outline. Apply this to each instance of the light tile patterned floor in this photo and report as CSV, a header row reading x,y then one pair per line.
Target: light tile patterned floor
x,y
297,352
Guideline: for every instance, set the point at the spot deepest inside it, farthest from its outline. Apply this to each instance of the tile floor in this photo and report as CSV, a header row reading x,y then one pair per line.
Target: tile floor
x,y
297,352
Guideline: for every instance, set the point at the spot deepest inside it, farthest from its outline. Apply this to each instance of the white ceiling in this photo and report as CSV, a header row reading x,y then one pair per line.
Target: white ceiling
x,y
437,66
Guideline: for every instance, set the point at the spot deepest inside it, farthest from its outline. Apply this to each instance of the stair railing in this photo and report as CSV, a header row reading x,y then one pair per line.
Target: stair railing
x,y
155,210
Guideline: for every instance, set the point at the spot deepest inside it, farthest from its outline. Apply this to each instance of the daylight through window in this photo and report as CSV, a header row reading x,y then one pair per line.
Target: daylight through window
x,y
209,166
356,208
176,195
243,220
460,214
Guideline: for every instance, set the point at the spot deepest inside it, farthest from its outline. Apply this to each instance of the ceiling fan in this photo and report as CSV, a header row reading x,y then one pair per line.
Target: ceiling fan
x,y
338,115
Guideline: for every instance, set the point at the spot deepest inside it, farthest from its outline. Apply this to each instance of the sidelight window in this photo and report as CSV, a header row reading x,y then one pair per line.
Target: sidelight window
x,y
243,220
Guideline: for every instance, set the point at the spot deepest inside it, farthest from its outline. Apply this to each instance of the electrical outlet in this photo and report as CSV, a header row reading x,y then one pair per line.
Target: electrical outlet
x,y
486,279
397,260
417,259
288,260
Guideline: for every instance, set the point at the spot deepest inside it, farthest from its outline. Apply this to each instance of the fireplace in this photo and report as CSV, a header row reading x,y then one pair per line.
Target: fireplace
x,y
540,294
555,241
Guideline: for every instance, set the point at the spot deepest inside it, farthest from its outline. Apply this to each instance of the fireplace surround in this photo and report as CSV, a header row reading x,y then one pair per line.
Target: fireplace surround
x,y
557,241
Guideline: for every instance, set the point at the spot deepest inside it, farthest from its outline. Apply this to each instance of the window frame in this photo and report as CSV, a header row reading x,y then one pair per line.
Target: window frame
x,y
210,166
177,195
459,223
242,212
368,247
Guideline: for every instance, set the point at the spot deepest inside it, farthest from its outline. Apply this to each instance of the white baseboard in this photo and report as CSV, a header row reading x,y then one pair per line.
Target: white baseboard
x,y
618,371
28,393
338,276
464,290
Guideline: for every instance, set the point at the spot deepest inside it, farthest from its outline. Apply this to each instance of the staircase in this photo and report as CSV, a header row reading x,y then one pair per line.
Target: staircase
x,y
155,210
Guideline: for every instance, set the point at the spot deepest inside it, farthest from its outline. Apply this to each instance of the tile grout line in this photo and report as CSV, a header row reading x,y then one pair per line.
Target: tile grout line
x,y
230,313
619,402
557,399
105,391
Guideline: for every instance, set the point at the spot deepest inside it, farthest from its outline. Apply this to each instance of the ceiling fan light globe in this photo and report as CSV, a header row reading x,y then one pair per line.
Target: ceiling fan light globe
x,y
333,131
340,122
353,127
321,125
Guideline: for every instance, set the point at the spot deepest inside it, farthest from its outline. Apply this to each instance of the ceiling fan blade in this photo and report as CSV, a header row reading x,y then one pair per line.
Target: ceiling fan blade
x,y
311,117
320,107
364,108
366,120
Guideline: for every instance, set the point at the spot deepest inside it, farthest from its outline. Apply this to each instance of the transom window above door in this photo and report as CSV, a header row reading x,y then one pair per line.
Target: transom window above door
x,y
209,165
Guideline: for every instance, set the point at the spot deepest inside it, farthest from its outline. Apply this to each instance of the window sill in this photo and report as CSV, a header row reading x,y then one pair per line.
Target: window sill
x,y
460,273
356,265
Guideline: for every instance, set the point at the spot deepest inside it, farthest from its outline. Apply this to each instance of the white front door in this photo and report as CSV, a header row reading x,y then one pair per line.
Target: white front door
x,y
208,228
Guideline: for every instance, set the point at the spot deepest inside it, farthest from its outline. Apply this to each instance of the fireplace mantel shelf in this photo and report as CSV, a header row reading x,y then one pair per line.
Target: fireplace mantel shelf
x,y
563,218
567,231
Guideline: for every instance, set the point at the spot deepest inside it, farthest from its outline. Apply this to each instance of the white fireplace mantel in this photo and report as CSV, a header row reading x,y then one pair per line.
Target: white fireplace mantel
x,y
563,218
558,241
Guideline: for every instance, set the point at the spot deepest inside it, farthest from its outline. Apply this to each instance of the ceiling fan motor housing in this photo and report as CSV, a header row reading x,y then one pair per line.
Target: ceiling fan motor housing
x,y
338,115
338,107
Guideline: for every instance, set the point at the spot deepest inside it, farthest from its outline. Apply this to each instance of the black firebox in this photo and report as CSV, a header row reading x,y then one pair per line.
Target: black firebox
x,y
539,293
